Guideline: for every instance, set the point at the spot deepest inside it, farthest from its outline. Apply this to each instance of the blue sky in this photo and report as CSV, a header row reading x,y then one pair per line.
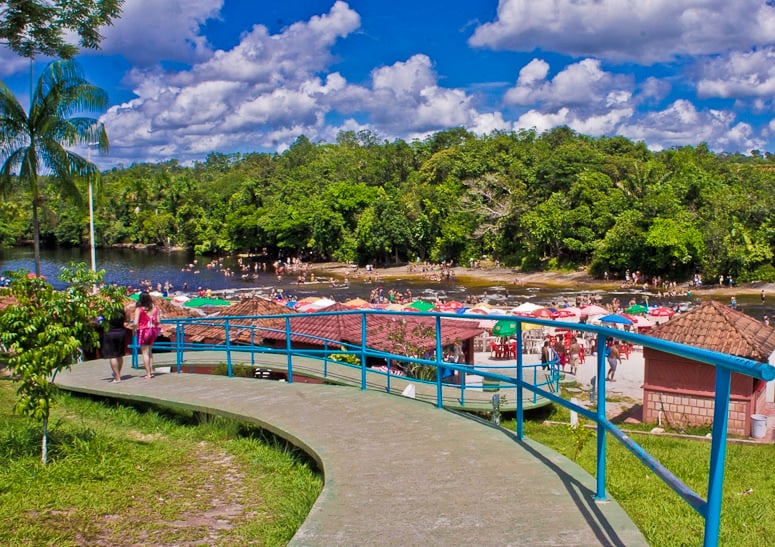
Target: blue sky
x,y
188,77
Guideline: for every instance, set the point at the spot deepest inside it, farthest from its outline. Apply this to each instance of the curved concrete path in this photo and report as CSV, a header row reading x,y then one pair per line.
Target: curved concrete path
x,y
397,471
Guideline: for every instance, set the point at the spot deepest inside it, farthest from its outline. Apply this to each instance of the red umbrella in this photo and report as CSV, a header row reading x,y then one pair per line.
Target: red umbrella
x,y
544,313
662,312
449,306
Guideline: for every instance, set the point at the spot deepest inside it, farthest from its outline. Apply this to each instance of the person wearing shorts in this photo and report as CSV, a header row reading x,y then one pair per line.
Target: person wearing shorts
x,y
613,360
574,355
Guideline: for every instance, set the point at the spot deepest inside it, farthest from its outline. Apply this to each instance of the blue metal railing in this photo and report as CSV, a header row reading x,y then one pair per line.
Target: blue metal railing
x,y
725,365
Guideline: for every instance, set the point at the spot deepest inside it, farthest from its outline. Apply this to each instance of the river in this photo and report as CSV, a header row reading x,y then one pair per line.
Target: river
x,y
130,267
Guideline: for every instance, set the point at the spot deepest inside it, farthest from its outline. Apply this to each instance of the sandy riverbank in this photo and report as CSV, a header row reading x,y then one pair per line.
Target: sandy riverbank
x,y
578,280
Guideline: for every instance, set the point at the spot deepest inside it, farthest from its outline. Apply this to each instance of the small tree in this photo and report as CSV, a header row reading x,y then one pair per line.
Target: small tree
x,y
45,330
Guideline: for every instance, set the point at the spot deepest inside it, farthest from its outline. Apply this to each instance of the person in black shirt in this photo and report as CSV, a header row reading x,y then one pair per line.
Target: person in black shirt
x,y
114,344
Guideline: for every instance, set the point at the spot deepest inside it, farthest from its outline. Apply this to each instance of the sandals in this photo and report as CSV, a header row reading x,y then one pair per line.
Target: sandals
x,y
115,381
147,376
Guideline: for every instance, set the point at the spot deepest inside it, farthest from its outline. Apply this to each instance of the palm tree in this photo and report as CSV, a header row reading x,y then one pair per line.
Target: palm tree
x,y
34,144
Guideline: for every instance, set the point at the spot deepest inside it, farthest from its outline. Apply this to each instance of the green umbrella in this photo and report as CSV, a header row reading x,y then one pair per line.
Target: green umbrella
x,y
505,327
421,305
200,301
636,308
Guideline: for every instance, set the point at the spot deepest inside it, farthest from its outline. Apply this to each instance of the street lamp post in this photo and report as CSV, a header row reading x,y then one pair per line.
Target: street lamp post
x,y
91,213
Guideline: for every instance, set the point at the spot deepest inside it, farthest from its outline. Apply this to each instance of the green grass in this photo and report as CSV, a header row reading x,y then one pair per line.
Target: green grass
x,y
121,474
748,509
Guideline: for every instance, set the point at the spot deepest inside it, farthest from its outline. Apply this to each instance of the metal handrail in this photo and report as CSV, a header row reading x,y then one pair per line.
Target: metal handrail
x,y
725,365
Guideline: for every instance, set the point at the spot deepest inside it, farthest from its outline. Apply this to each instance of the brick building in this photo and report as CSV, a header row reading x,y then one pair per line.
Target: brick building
x,y
680,391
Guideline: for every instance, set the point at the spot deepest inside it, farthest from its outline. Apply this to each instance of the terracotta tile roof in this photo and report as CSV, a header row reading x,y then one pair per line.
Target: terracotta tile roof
x,y
214,333
391,333
717,327
254,305
6,301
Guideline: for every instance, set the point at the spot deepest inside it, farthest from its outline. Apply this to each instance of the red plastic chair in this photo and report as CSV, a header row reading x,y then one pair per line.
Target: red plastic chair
x,y
495,350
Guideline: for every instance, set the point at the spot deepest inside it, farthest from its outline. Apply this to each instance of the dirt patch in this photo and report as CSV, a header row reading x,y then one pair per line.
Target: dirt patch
x,y
207,507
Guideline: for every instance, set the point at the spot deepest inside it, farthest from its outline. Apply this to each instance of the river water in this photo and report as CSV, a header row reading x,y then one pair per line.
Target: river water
x,y
184,271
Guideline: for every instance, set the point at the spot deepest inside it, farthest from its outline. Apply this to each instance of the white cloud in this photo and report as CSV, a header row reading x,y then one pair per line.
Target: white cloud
x,y
739,74
582,84
262,92
150,31
270,88
681,124
285,58
542,121
653,89
606,123
405,99
647,31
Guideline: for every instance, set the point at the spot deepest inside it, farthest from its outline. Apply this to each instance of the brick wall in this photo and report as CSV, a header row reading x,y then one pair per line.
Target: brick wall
x,y
682,409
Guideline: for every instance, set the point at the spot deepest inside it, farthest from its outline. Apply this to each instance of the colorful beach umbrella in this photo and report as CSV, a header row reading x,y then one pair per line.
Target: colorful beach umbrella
x,y
636,309
544,313
201,301
662,312
450,306
357,303
639,321
593,309
615,318
526,308
420,305
505,327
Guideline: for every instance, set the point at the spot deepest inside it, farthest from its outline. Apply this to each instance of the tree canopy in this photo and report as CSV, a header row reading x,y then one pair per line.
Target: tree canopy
x,y
35,27
558,199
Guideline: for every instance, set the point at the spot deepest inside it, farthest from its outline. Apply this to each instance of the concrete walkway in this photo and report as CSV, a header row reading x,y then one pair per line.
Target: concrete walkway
x,y
397,471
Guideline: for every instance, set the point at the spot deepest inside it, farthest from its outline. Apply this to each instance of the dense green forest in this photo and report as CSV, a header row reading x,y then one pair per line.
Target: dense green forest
x,y
557,199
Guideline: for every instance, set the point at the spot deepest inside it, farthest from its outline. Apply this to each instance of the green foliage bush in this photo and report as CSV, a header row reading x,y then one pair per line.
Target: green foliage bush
x,y
240,371
764,273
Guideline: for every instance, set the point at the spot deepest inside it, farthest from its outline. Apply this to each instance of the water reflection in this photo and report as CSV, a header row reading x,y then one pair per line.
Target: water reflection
x,y
130,267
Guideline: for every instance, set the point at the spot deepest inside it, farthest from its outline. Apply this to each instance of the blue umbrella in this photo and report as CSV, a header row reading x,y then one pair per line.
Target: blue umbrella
x,y
615,318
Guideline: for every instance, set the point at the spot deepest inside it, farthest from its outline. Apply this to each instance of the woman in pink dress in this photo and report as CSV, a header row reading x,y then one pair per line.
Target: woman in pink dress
x,y
147,324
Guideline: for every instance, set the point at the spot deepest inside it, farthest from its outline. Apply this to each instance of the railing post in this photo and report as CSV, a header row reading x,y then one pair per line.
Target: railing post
x,y
439,361
253,344
518,396
135,349
228,348
288,348
363,350
718,452
387,383
180,340
601,418
325,360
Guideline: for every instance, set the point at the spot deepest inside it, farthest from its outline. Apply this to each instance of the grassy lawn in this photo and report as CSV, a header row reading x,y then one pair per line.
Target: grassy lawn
x,y
131,475
128,475
748,509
